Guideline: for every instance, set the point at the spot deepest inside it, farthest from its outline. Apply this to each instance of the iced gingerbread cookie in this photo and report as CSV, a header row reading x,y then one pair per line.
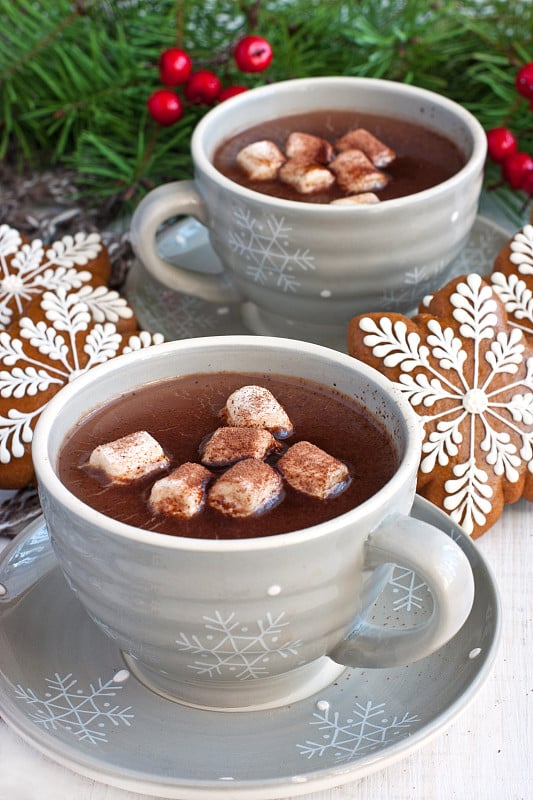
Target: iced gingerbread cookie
x,y
468,373
512,279
61,335
28,269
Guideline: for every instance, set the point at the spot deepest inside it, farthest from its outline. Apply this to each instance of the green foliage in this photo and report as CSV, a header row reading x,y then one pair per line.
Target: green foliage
x,y
75,74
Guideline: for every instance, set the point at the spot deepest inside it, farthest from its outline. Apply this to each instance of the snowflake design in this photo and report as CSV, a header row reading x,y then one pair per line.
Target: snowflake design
x,y
409,588
232,649
84,713
367,730
513,283
472,384
266,247
52,351
415,285
28,269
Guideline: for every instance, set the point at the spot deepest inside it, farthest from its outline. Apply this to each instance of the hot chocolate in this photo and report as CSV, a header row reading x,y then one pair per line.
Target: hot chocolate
x,y
423,157
181,414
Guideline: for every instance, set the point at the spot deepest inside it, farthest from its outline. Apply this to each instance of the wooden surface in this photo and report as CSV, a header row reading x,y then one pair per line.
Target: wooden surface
x,y
485,754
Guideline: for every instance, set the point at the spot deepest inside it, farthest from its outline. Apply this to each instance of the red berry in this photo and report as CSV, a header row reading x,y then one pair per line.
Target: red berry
x,y
253,54
501,143
527,184
165,106
231,91
203,87
524,81
516,168
174,66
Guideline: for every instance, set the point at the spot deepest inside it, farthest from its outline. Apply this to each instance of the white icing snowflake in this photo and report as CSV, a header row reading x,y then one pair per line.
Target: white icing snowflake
x,y
84,713
230,648
515,288
54,351
368,729
473,387
33,269
267,250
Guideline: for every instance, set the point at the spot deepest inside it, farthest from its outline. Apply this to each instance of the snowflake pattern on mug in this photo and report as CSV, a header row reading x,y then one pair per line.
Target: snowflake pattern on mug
x,y
85,713
266,246
232,649
28,269
512,280
64,335
468,374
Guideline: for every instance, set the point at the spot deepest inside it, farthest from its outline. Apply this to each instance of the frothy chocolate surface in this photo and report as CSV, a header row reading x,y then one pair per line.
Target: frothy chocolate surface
x,y
424,158
181,412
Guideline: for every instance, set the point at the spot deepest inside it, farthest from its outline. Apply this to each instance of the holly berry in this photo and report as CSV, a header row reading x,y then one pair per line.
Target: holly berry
x,y
165,106
524,81
516,168
500,143
174,66
203,87
527,184
231,91
253,54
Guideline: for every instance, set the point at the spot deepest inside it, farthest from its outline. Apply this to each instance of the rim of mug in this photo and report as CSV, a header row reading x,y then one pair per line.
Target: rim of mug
x,y
47,475
473,165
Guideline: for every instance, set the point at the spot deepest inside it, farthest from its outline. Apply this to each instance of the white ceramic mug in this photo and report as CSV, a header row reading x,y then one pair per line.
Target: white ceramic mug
x,y
181,608
303,270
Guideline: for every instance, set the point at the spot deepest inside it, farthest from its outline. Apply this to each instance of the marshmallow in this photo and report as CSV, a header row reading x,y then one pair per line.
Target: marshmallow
x,y
356,173
373,148
312,471
260,160
182,493
305,177
228,445
248,487
308,147
256,407
363,199
127,459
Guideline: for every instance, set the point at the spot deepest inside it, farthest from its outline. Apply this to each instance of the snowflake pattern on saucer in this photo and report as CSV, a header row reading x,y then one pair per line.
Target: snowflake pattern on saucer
x,y
63,335
512,280
28,269
468,373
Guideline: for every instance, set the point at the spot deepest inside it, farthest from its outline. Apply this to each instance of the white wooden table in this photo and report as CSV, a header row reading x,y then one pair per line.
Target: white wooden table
x,y
485,754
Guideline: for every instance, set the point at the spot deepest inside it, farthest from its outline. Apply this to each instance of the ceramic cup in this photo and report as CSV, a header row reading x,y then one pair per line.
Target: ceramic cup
x,y
253,623
303,270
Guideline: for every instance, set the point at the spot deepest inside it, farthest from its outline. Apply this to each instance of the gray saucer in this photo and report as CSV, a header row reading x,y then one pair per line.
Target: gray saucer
x,y
65,688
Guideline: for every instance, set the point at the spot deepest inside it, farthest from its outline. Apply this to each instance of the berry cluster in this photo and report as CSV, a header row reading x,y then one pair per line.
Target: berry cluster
x,y
201,87
516,166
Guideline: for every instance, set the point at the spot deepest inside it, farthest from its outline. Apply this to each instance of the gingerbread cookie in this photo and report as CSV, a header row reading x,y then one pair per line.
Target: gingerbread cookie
x,y
468,373
512,279
28,269
62,335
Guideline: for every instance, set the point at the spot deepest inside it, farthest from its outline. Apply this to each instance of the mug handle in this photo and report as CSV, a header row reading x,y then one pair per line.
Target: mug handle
x,y
159,205
440,562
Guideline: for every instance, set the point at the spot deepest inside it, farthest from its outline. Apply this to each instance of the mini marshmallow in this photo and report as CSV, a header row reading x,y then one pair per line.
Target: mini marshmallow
x,y
248,487
260,160
356,173
363,199
312,471
127,459
228,445
181,494
360,139
305,177
256,407
310,148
